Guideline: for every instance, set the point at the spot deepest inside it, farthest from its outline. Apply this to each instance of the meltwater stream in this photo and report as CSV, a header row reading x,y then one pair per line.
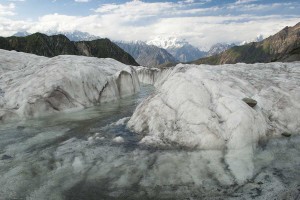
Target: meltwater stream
x,y
90,154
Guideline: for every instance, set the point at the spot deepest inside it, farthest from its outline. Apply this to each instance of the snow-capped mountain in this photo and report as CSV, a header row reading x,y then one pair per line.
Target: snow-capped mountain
x,y
258,38
146,55
218,48
179,49
167,42
74,35
21,34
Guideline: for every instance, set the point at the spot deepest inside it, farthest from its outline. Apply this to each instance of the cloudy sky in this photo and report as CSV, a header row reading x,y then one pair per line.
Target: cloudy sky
x,y
201,22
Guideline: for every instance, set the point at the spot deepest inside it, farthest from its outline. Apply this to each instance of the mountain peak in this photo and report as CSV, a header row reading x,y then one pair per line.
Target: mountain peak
x,y
219,47
168,42
146,55
74,35
178,48
21,34
258,38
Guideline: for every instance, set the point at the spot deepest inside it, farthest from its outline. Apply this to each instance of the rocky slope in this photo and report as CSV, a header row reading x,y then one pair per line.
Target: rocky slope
x,y
32,86
50,46
147,55
283,46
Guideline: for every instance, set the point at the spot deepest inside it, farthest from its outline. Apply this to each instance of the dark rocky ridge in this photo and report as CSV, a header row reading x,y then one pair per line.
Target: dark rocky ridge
x,y
50,46
186,53
281,47
147,55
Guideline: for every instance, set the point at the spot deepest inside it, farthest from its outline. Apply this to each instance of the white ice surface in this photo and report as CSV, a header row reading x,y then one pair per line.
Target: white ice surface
x,y
55,159
201,107
32,86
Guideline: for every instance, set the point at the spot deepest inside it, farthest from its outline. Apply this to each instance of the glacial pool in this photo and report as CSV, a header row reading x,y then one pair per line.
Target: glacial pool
x,y
90,154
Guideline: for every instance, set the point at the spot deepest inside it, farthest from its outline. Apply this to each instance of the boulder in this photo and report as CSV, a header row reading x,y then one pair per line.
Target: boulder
x,y
251,102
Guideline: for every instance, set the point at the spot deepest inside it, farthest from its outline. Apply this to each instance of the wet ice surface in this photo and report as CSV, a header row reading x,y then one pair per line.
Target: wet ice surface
x,y
91,155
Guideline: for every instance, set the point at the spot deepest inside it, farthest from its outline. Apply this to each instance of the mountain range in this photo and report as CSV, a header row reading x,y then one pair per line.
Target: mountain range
x,y
74,35
147,55
50,46
71,35
218,48
164,51
284,46
161,51
181,50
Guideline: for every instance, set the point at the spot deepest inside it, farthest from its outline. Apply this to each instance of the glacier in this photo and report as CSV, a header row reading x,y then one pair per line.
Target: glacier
x,y
33,86
193,137
72,156
202,107
152,75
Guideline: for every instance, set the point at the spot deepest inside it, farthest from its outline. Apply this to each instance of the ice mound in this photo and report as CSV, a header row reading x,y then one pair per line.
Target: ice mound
x,y
202,107
32,86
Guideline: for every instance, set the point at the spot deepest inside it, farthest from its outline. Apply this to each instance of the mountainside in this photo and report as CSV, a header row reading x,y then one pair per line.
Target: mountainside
x,y
50,46
283,46
179,49
147,55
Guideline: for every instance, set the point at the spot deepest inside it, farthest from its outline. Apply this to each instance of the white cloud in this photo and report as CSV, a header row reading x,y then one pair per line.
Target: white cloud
x,y
137,9
138,20
17,0
82,1
244,1
203,32
188,1
7,10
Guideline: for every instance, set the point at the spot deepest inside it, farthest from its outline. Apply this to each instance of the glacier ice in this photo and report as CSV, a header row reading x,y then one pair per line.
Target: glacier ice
x,y
52,158
201,107
150,76
76,169
33,86
198,139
